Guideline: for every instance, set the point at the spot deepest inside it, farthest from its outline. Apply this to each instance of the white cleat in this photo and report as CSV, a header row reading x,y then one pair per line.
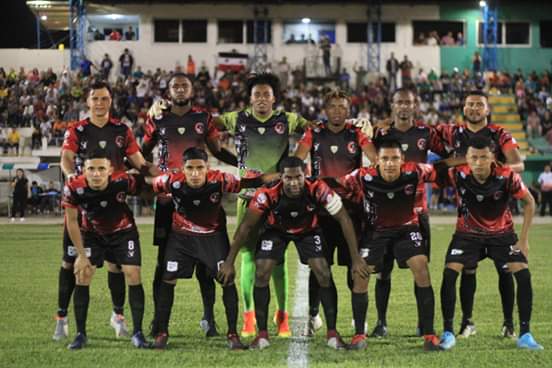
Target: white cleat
x,y
62,329
314,324
119,325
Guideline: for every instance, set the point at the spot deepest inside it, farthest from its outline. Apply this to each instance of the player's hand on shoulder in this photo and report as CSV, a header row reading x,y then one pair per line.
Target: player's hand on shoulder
x,y
158,108
226,273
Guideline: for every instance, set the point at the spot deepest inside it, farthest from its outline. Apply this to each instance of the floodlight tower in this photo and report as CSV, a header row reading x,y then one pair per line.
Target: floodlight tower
x,y
373,35
260,51
77,31
490,35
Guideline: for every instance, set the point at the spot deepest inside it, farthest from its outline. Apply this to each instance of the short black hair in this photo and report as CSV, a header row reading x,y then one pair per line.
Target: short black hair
x,y
180,75
479,142
194,153
99,85
291,162
476,92
406,90
389,143
264,78
97,153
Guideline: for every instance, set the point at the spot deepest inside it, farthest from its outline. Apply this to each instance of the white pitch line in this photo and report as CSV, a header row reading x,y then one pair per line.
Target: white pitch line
x,y
299,345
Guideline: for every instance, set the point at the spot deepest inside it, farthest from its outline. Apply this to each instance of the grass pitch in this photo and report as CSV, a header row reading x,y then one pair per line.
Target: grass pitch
x,y
29,262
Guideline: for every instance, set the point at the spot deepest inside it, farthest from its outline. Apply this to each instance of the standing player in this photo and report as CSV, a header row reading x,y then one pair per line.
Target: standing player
x,y
198,235
108,229
175,130
485,229
99,131
335,149
416,139
290,213
262,140
505,149
389,193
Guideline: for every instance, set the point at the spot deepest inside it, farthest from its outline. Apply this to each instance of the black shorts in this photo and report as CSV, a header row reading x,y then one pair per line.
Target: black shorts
x,y
184,252
469,250
120,248
273,244
162,222
401,245
334,239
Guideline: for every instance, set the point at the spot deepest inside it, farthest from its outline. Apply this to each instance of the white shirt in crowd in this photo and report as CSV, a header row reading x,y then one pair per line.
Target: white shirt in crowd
x,y
545,181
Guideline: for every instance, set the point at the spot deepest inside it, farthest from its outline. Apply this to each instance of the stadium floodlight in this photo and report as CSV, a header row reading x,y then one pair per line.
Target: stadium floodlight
x,y
115,16
306,20
43,17
482,4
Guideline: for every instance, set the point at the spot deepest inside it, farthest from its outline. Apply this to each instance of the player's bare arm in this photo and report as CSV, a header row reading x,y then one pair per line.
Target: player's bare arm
x,y
68,163
528,214
359,265
514,161
82,264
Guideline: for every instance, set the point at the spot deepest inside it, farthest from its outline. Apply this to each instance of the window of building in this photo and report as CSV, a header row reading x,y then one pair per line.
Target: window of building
x,y
262,28
438,33
517,33
165,30
113,27
194,30
546,33
498,33
357,32
308,32
230,31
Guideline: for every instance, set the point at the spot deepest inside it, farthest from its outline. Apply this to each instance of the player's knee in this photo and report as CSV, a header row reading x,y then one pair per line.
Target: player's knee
x,y
132,275
360,284
515,267
112,267
262,276
323,275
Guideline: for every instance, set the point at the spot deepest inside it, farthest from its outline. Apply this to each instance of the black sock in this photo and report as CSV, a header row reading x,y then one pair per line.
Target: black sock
x,y
157,281
164,306
468,284
261,297
65,290
81,299
426,301
524,299
230,300
314,295
448,298
136,300
383,289
507,294
208,291
418,306
360,308
328,297
116,282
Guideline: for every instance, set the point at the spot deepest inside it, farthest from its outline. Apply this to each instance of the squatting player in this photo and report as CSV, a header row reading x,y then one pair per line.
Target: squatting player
x,y
484,228
99,131
416,139
335,149
505,150
289,211
174,130
198,235
389,194
107,228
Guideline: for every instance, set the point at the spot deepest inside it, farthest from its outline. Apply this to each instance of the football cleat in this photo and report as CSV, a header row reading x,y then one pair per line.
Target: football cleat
x,y
358,342
527,341
139,341
431,343
160,341
281,320
118,323
249,324
380,331
234,342
335,341
314,324
79,342
508,331
209,327
62,328
447,340
261,341
467,329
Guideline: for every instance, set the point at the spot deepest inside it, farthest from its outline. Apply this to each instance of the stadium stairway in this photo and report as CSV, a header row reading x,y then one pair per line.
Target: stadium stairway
x,y
504,113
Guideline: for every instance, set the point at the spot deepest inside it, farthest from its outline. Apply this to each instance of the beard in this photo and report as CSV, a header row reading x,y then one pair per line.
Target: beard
x,y
475,121
181,102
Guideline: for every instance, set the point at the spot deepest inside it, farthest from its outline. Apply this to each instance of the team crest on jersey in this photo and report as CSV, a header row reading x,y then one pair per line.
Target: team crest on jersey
x,y
368,177
334,149
102,144
261,130
196,202
294,214
199,128
103,204
80,191
409,189
352,148
176,185
121,196
261,198
317,130
311,208
80,128
497,195
181,130
463,174
120,141
422,144
480,197
280,128
404,146
390,195
215,197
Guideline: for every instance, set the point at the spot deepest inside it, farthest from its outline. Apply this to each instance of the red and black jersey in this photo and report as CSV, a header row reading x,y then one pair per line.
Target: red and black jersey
x,y
115,138
415,142
483,209
457,137
198,210
334,154
105,211
293,215
390,205
174,134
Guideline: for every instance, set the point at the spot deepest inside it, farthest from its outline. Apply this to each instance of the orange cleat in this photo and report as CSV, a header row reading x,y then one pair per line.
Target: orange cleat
x,y
249,324
281,320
